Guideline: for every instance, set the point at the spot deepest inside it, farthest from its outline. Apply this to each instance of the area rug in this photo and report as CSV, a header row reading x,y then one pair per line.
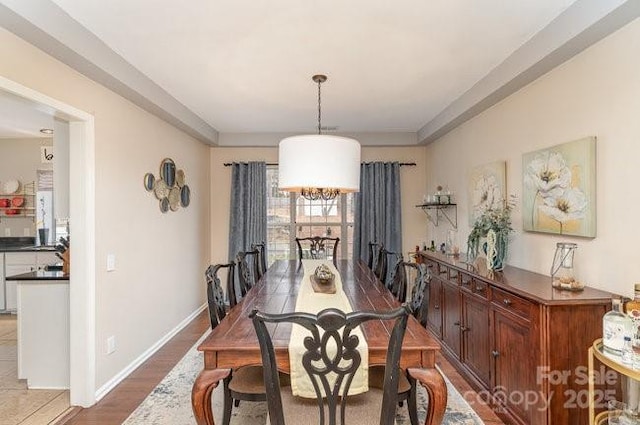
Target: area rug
x,y
170,402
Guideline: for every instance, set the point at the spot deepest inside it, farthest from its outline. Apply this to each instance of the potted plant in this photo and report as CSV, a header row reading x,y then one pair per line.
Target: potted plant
x,y
490,233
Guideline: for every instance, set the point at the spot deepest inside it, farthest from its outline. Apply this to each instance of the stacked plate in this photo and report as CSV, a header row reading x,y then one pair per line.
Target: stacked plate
x,y
10,187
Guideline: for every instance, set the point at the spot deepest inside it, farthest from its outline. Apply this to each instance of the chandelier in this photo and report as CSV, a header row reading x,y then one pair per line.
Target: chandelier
x,y
319,166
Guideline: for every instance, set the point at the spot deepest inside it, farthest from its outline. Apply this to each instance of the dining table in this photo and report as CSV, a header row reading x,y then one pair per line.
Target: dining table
x,y
233,343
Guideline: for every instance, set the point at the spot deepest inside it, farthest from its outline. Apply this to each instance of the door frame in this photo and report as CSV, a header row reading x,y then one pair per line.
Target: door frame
x,y
82,308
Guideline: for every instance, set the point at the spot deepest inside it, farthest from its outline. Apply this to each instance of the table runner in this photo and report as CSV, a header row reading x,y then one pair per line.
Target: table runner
x,y
311,302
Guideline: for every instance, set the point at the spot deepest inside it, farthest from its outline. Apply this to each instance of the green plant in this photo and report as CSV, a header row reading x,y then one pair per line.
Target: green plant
x,y
498,220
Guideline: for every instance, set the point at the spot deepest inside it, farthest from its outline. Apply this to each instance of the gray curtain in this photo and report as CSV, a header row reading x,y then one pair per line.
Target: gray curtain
x,y
248,218
378,215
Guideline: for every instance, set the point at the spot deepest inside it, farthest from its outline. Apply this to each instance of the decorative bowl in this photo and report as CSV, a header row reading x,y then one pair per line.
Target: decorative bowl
x,y
323,280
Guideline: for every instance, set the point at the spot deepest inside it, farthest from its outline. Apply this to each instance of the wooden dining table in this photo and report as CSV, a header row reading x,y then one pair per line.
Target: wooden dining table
x,y
233,343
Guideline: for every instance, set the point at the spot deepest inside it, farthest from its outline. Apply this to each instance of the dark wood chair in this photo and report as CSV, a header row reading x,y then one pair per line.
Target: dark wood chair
x,y
420,290
245,383
262,257
318,364
318,248
215,294
374,247
419,302
382,264
247,275
397,283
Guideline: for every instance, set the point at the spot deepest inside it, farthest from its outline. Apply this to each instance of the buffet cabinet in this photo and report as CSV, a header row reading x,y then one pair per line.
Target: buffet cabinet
x,y
521,343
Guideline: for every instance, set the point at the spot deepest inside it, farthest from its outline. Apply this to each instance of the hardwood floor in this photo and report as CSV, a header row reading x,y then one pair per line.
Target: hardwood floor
x,y
116,406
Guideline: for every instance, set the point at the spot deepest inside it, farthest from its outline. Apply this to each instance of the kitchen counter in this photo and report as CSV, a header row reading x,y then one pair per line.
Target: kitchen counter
x,y
22,244
30,248
40,275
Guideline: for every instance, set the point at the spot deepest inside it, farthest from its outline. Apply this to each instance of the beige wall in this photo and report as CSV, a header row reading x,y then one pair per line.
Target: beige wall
x,y
597,93
413,178
20,159
160,258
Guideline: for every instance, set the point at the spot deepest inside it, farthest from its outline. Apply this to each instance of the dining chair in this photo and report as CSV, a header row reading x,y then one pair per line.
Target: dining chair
x,y
244,383
374,247
382,264
262,256
318,247
247,275
215,294
318,363
419,302
397,283
419,299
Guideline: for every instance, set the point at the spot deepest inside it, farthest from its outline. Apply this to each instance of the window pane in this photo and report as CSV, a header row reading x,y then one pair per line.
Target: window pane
x,y
278,219
310,218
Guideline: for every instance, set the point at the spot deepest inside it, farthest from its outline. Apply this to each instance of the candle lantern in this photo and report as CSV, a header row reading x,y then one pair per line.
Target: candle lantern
x,y
562,270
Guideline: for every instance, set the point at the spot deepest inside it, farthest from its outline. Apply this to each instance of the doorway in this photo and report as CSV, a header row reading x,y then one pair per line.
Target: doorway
x,y
82,225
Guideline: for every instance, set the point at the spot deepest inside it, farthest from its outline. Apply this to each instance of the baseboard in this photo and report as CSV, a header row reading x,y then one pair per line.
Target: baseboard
x,y
111,384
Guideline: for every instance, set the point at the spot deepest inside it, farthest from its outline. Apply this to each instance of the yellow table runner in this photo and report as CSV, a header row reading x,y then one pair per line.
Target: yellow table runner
x,y
311,302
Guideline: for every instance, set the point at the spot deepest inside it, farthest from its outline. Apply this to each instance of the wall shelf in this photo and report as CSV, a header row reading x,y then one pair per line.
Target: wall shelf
x,y
26,210
435,212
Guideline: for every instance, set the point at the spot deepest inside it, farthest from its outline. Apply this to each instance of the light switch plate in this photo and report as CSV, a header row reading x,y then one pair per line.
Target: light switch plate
x,y
111,262
111,344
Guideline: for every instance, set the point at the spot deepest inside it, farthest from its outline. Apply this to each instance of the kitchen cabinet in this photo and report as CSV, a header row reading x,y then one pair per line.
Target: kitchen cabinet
x,y
22,262
516,335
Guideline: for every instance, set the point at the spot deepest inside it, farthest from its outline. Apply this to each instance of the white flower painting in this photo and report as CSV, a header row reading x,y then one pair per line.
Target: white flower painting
x,y
486,189
559,189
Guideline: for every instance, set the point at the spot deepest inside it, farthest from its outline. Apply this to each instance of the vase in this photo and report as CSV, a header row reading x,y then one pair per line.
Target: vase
x,y
498,262
43,235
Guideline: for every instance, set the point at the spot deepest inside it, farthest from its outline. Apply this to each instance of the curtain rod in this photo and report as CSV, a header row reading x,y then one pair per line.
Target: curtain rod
x,y
402,164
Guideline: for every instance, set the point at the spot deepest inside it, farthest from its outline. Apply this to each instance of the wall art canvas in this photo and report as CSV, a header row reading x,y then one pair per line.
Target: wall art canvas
x,y
559,189
487,188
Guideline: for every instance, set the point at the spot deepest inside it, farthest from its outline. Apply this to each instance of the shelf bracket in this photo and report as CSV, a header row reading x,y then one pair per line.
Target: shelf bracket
x,y
441,211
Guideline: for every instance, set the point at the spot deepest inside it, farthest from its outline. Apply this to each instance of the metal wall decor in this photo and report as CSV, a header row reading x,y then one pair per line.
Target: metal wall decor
x,y
170,188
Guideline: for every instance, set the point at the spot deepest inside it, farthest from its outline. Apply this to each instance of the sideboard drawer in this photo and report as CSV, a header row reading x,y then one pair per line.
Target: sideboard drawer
x,y
473,285
512,303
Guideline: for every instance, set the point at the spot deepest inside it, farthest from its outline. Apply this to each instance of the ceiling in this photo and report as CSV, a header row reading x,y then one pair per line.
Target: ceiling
x,y
21,119
219,69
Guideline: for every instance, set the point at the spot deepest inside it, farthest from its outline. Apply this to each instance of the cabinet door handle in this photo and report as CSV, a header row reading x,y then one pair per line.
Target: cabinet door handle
x,y
507,302
464,329
437,307
495,353
456,323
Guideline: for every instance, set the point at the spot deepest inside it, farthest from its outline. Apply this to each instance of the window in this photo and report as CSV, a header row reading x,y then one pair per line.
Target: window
x,y
289,216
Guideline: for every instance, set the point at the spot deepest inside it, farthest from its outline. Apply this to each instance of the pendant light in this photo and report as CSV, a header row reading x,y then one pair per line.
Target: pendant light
x,y
319,166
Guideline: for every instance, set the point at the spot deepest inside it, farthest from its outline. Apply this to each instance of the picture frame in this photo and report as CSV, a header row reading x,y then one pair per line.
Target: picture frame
x,y
559,189
486,188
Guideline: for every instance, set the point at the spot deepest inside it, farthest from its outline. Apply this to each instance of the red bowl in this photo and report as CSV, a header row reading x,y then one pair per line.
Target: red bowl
x,y
18,201
12,212
4,203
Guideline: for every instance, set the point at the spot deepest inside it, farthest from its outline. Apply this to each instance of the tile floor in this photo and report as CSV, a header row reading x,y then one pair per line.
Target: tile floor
x,y
18,405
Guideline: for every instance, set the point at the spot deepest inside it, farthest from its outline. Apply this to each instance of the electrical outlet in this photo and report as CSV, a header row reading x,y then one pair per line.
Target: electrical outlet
x,y
111,344
7,231
111,262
